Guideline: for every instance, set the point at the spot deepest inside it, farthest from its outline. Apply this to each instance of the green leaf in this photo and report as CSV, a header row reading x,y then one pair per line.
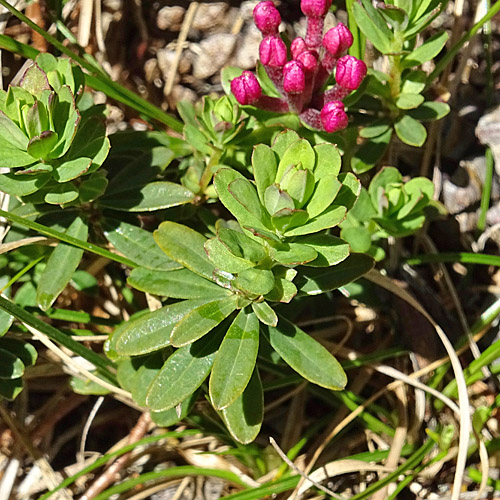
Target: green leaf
x,y
305,355
197,140
239,196
24,351
265,313
244,417
178,284
328,161
12,135
72,169
372,28
323,196
430,110
414,82
254,281
242,245
330,250
138,245
153,196
301,152
90,141
370,153
283,141
41,145
184,372
409,101
316,281
427,51
62,194
93,187
66,119
264,168
146,372
61,265
329,218
284,290
6,321
10,389
410,131
359,238
22,185
87,387
349,192
294,254
35,80
201,320
235,360
375,129
185,246
151,331
170,417
223,258
10,365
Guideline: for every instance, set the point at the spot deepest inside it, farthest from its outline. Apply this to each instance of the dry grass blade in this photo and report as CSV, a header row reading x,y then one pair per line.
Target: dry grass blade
x,y
338,467
463,397
13,245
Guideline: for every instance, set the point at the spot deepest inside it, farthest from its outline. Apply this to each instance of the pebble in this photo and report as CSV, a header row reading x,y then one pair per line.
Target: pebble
x,y
213,54
209,15
170,18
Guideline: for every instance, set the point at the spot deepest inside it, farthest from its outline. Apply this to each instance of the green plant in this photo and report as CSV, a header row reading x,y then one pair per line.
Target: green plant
x,y
226,284
394,100
52,136
389,207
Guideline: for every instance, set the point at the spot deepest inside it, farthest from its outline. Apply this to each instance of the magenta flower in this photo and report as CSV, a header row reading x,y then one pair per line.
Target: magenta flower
x,y
267,18
294,78
333,116
350,72
272,52
246,88
315,8
337,40
298,46
300,81
308,59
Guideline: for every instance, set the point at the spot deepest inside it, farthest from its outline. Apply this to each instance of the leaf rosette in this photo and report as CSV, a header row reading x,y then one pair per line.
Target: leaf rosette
x,y
47,140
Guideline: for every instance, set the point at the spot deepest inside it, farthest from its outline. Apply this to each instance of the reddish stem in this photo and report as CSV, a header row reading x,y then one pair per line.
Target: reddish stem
x,y
314,32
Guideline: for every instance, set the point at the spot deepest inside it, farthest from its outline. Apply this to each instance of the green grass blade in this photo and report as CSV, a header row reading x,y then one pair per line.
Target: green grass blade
x,y
266,490
181,471
53,333
106,458
486,193
463,257
52,233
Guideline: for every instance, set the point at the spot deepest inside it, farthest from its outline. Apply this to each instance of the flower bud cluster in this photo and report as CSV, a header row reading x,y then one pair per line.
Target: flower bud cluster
x,y
300,80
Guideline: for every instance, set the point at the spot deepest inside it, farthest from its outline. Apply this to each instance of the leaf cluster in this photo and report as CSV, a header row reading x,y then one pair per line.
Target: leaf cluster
x,y
53,138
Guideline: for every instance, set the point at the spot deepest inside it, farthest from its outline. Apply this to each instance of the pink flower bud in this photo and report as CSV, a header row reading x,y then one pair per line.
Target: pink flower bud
x,y
246,88
267,18
308,59
337,40
294,78
298,46
333,117
272,52
315,8
350,72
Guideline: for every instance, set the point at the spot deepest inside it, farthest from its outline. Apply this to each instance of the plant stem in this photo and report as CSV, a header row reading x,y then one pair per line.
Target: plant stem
x,y
486,194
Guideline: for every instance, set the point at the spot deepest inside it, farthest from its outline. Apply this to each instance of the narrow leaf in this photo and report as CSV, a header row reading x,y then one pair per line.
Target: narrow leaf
x,y
235,360
305,355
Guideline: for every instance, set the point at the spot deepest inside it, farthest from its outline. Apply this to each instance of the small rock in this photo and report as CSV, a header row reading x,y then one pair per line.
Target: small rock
x,y
170,18
209,15
488,132
213,54
247,51
166,59
181,93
